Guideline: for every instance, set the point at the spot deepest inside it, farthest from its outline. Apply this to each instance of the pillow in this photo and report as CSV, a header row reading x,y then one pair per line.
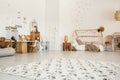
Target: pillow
x,y
7,52
79,41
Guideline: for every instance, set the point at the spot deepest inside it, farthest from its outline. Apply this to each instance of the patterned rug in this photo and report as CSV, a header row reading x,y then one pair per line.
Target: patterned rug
x,y
65,69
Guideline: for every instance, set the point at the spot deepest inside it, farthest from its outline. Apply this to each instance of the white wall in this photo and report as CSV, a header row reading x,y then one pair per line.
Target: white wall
x,y
60,17
52,24
88,14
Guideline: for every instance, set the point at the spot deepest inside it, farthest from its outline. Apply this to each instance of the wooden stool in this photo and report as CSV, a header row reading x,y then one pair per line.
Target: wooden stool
x,y
66,46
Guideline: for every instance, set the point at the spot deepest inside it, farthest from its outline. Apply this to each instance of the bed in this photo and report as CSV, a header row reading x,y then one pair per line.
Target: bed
x,y
85,37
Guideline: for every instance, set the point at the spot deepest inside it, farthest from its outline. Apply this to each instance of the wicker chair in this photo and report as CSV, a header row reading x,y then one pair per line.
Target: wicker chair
x,y
108,42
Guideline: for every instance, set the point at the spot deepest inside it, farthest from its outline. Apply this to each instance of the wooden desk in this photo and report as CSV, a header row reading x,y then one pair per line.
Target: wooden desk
x,y
23,47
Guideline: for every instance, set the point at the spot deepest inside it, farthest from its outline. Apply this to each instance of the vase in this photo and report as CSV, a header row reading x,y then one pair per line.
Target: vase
x,y
65,38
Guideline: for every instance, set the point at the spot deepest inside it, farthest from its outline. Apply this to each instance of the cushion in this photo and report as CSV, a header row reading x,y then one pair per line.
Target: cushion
x,y
101,48
79,41
7,51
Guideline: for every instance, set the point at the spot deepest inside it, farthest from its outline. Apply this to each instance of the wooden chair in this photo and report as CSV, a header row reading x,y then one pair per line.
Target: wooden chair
x,y
32,46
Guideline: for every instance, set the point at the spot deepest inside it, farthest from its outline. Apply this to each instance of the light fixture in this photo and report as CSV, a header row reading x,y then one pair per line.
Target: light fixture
x,y
117,15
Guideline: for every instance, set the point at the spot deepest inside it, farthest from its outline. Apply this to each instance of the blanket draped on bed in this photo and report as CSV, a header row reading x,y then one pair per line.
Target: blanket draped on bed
x,y
91,47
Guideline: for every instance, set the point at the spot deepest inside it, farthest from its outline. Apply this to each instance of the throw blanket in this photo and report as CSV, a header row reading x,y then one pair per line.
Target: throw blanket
x,y
91,47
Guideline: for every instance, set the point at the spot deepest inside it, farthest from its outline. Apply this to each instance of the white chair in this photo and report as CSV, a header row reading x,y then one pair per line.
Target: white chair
x,y
32,46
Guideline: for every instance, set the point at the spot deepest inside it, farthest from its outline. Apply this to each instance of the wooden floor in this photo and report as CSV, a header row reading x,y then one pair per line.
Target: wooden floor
x,y
113,57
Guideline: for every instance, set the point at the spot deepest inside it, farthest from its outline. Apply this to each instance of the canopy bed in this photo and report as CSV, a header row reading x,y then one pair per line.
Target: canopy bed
x,y
88,39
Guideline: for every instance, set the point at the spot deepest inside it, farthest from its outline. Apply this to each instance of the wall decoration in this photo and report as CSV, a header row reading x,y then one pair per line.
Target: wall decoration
x,y
11,31
33,26
18,22
79,11
117,15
